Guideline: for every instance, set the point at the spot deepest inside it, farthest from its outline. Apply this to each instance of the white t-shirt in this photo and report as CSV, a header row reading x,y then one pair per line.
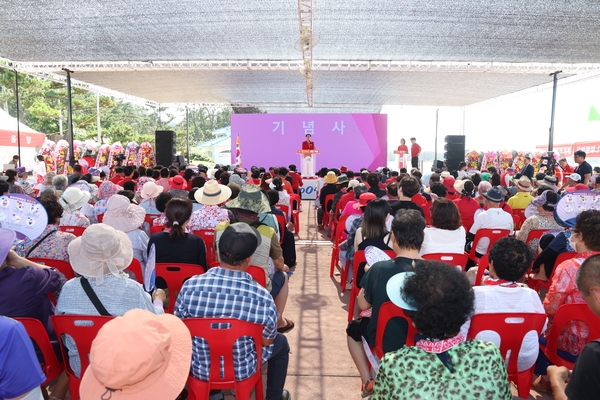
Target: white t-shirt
x,y
500,299
443,241
493,218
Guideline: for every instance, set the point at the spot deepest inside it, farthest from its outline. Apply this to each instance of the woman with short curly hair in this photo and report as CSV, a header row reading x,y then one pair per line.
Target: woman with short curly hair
x,y
441,365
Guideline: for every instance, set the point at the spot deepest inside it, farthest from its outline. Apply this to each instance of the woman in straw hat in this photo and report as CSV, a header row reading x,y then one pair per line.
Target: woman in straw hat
x,y
72,200
127,217
99,256
211,195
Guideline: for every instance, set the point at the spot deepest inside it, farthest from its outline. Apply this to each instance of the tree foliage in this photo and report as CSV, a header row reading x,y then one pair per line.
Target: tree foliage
x,y
43,106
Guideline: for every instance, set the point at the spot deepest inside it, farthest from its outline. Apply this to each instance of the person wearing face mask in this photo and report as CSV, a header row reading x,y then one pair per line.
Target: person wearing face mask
x,y
585,239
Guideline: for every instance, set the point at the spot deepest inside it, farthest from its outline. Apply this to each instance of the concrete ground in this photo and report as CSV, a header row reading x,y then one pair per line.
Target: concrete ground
x,y
320,366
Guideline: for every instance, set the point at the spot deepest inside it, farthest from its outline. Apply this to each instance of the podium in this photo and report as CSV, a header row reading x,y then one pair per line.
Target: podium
x,y
308,162
401,159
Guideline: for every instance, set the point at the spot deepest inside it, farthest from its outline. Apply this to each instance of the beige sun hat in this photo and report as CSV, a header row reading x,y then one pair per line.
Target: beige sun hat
x,y
524,183
100,251
150,190
73,199
212,193
122,215
459,185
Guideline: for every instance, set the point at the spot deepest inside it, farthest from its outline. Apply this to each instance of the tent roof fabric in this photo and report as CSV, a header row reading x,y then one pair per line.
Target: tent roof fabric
x,y
177,51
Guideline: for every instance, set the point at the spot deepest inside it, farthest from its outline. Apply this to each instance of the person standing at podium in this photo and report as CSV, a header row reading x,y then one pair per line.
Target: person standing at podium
x,y
308,144
403,147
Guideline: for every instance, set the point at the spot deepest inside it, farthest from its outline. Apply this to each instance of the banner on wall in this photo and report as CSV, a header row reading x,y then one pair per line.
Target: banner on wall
x,y
564,150
592,149
353,140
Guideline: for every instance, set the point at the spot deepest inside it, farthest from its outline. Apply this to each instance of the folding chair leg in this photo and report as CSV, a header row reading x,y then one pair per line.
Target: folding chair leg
x,y
344,276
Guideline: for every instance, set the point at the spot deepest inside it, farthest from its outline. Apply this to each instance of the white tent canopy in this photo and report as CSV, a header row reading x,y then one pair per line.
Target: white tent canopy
x,y
303,56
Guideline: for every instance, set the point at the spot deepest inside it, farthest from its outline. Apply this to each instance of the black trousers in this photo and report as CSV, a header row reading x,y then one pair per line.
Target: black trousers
x,y
414,162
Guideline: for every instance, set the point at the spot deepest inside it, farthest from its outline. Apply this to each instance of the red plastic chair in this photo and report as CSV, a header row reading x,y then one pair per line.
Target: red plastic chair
x,y
537,284
519,212
516,222
335,216
100,217
285,209
83,335
136,268
156,229
535,234
512,328
493,234
258,274
281,223
62,266
359,257
149,218
565,314
387,311
326,213
208,236
220,335
175,275
36,331
335,253
481,267
75,230
452,259
295,203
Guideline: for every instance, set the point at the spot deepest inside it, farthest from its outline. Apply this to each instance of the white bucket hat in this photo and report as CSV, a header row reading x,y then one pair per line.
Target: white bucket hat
x,y
73,199
100,251
212,193
122,215
150,190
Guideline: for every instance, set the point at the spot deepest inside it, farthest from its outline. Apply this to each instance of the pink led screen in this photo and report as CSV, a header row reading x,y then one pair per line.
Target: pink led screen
x,y
354,140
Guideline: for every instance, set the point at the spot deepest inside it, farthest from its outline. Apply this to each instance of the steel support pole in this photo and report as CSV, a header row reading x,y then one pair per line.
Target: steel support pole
x,y
18,119
70,118
551,138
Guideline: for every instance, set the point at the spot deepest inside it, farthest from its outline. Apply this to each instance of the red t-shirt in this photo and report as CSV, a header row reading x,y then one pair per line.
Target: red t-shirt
x,y
467,208
415,150
116,179
306,145
403,148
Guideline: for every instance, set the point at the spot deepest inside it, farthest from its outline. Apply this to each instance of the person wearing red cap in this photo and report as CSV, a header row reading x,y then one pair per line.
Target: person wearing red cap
x,y
448,182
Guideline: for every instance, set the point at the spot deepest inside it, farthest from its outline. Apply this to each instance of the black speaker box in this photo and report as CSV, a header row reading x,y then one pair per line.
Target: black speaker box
x,y
164,147
455,151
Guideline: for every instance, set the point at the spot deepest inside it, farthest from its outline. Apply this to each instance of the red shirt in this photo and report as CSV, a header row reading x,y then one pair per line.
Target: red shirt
x,y
123,180
345,199
306,145
467,207
296,180
116,179
415,150
403,148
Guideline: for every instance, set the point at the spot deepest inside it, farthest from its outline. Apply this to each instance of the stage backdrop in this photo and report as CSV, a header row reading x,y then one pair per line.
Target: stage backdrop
x,y
354,140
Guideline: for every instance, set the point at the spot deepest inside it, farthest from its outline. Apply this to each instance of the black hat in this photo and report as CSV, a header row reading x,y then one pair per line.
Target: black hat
x,y
494,194
238,242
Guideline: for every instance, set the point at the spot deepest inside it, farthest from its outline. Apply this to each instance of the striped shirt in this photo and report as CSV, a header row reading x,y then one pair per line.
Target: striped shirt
x,y
224,293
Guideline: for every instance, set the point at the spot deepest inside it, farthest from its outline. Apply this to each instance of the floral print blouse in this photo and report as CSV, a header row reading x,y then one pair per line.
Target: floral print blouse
x,y
54,246
564,291
208,217
74,219
538,221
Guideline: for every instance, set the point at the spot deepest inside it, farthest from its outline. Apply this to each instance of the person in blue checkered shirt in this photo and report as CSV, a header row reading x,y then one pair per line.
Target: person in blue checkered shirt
x,y
229,292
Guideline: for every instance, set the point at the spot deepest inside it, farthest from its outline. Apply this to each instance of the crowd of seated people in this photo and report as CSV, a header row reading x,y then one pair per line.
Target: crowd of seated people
x,y
411,214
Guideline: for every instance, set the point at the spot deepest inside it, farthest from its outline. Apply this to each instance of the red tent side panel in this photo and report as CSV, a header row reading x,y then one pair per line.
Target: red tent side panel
x,y
28,139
